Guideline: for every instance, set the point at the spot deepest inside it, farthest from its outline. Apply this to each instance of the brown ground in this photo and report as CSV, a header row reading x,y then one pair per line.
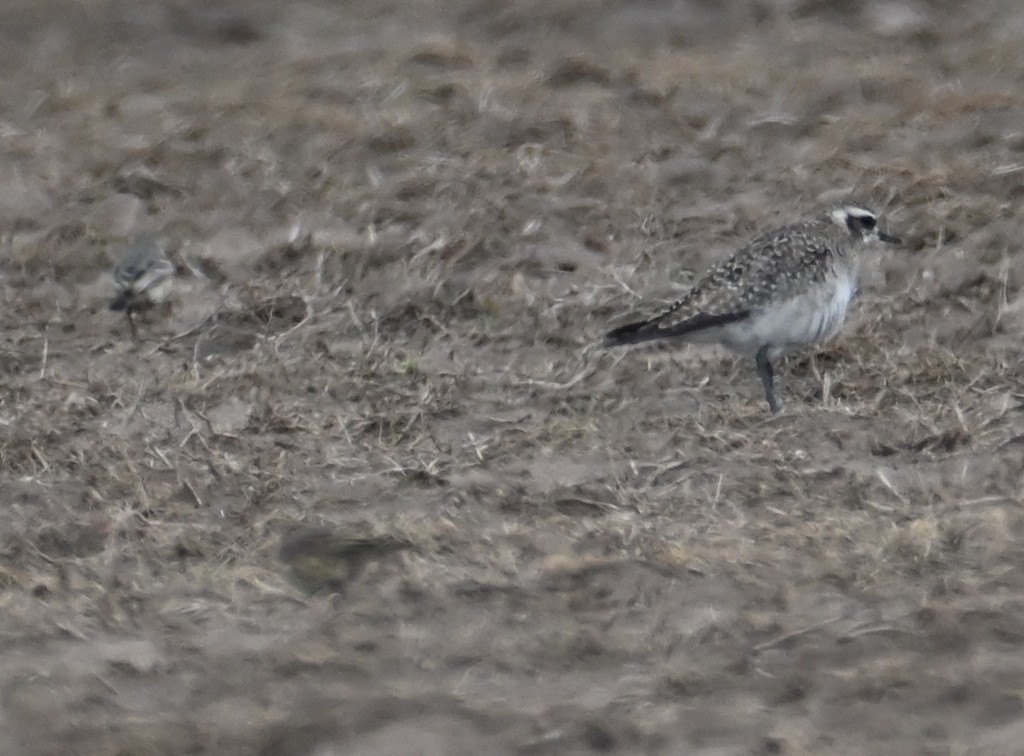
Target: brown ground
x,y
400,229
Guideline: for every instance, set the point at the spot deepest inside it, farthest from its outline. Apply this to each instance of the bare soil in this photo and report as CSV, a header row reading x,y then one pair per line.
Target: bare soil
x,y
400,230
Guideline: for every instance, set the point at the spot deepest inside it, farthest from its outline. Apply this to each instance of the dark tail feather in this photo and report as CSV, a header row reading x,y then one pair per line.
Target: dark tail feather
x,y
631,333
648,330
120,302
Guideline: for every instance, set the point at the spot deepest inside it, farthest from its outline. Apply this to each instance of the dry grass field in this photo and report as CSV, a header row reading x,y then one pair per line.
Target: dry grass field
x,y
400,230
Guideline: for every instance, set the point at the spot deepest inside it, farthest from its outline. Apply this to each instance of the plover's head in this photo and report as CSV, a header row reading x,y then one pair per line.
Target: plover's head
x,y
861,223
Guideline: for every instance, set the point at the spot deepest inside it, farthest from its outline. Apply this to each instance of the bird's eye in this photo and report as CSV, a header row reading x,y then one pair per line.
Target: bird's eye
x,y
868,222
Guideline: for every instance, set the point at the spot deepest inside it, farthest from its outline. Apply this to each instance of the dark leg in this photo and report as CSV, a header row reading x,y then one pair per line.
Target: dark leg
x,y
131,323
764,370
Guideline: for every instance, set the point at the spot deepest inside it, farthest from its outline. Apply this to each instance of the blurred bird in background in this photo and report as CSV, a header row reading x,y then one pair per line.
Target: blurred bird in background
x,y
144,277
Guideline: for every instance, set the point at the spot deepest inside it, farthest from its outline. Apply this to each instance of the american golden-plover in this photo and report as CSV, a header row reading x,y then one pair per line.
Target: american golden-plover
x,y
788,287
143,276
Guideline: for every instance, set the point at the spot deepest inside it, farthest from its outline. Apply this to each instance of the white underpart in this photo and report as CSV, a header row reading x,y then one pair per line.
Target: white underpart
x,y
811,318
158,289
154,285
